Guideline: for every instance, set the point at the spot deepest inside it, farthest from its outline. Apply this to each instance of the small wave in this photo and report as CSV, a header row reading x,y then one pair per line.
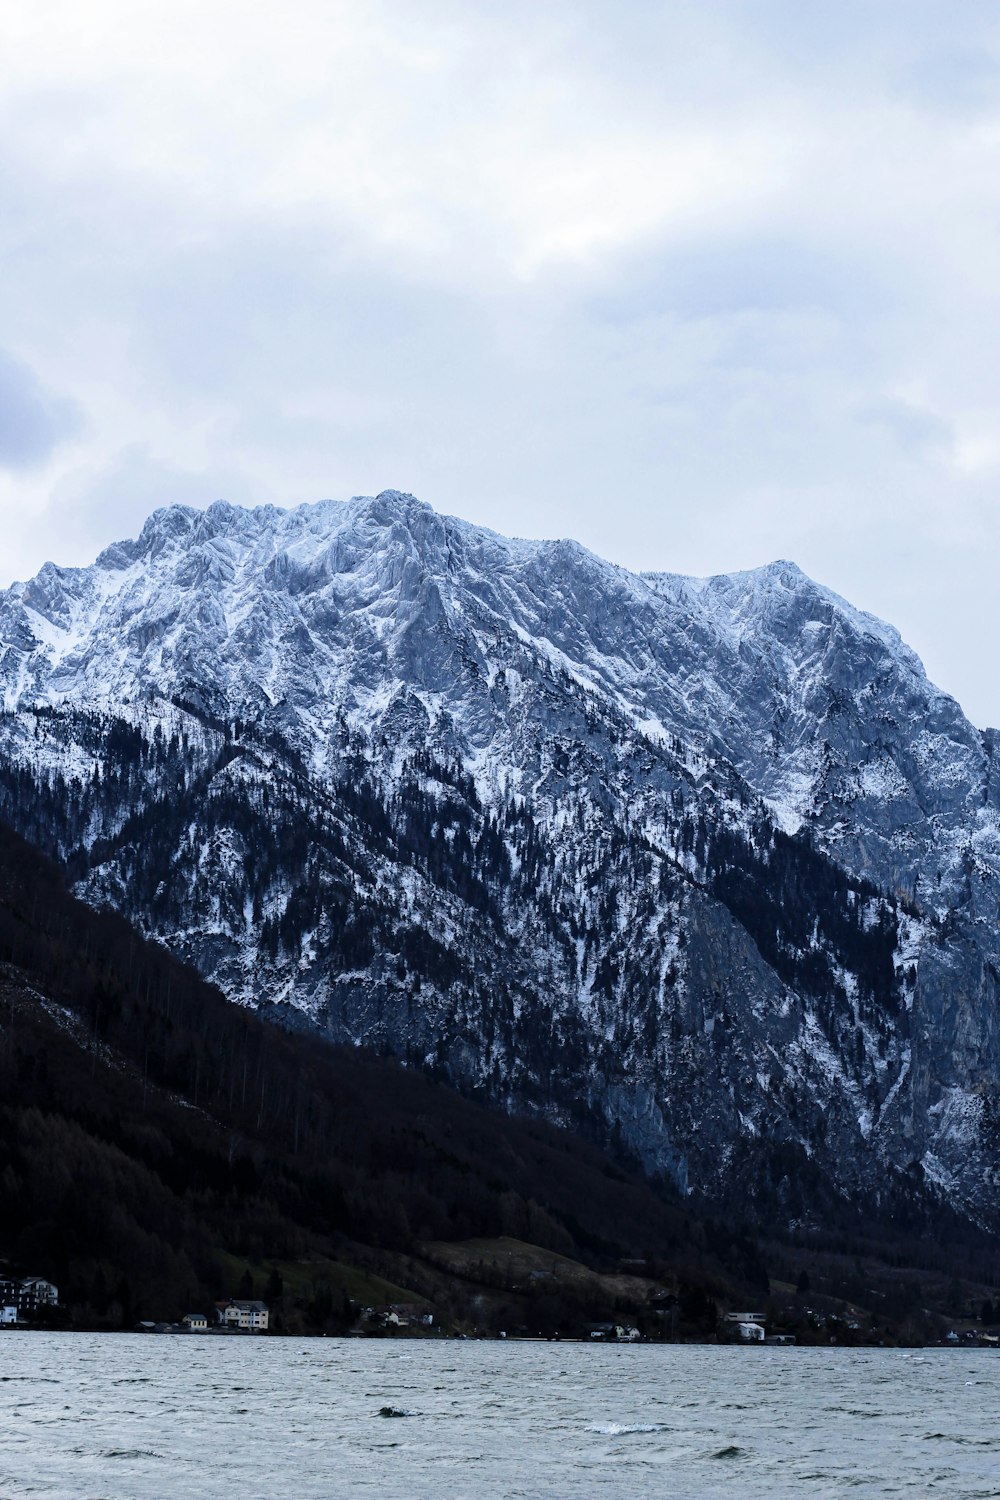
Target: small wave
x,y
731,1451
130,1453
395,1411
955,1437
623,1429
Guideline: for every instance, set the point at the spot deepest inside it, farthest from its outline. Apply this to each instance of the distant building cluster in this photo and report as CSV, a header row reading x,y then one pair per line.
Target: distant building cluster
x,y
233,1315
395,1315
614,1333
21,1299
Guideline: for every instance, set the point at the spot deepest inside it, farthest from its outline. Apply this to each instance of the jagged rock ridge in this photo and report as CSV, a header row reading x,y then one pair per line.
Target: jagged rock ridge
x,y
706,864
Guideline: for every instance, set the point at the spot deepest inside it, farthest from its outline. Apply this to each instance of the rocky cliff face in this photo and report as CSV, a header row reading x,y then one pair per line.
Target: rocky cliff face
x,y
706,865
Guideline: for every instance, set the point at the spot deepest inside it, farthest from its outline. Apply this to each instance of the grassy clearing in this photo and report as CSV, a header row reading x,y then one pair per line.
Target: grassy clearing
x,y
517,1266
304,1278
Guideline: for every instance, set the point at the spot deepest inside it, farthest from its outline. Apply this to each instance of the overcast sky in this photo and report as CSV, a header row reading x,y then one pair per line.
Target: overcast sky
x,y
700,284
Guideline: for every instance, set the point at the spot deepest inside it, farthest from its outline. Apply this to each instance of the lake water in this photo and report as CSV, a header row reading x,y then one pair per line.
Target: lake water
x,y
100,1417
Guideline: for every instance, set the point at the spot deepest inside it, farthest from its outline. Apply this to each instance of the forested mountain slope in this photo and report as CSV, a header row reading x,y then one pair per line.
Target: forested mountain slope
x,y
157,1141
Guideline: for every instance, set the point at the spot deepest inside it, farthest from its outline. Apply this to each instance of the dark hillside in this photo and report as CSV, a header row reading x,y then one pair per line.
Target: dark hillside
x,y
154,1137
160,1147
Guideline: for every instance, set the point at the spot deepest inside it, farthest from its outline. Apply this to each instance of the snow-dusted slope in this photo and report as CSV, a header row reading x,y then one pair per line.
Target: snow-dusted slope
x,y
529,817
302,615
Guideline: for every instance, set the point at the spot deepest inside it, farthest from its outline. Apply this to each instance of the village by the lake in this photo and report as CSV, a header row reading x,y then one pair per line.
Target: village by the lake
x,y
32,1303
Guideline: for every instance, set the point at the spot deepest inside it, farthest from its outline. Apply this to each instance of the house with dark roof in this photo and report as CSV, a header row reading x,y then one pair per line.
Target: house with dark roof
x,y
246,1314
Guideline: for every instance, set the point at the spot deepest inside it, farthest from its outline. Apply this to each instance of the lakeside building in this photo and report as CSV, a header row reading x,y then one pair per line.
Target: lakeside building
x,y
26,1295
749,1326
408,1314
247,1314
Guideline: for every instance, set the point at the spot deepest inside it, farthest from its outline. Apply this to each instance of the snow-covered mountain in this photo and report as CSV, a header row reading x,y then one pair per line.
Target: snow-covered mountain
x,y
707,865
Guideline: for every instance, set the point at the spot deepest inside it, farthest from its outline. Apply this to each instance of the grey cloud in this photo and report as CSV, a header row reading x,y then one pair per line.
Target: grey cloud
x,y
32,421
762,273
267,310
866,40
924,52
954,80
916,429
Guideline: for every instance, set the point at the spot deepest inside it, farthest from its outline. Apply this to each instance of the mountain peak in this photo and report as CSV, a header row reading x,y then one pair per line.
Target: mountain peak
x,y
338,573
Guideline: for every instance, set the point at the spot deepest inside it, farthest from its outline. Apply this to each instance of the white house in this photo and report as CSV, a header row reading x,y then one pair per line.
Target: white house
x,y
196,1322
752,1332
8,1314
37,1292
28,1294
749,1326
249,1315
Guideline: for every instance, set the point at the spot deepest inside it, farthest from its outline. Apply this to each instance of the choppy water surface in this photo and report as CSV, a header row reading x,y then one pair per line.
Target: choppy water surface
x,y
92,1417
